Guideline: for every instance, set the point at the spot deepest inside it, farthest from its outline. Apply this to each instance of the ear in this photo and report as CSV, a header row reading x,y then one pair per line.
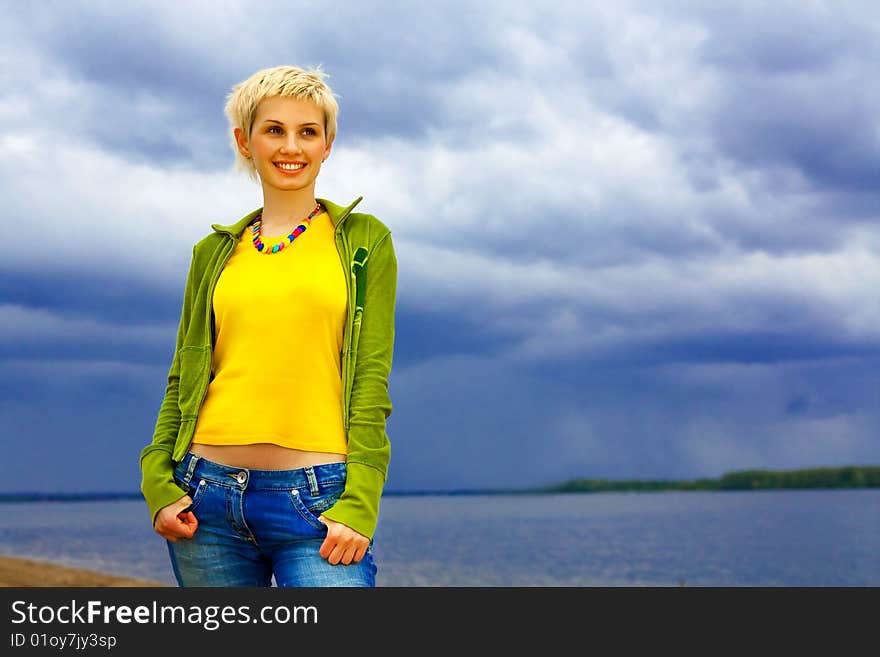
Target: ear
x,y
242,142
328,147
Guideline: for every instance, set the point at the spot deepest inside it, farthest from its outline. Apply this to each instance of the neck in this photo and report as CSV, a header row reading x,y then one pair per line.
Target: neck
x,y
282,210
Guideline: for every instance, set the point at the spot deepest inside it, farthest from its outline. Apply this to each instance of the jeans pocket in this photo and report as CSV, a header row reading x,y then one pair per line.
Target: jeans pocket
x,y
196,493
309,506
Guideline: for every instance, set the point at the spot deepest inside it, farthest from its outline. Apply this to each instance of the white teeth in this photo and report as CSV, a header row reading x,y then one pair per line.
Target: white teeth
x,y
289,167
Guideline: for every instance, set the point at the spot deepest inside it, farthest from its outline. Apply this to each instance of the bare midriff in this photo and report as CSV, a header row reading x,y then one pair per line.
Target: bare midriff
x,y
263,456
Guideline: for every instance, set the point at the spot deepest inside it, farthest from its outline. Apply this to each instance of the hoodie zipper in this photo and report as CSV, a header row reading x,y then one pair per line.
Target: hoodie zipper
x,y
342,249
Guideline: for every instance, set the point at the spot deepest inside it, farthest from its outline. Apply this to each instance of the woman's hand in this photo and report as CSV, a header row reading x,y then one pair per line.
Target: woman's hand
x,y
342,544
172,522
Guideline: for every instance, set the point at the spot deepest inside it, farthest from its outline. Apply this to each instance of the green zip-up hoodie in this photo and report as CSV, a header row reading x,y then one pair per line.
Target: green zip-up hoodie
x,y
368,258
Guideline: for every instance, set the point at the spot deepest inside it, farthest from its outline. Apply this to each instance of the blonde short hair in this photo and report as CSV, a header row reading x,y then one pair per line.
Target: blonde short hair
x,y
289,81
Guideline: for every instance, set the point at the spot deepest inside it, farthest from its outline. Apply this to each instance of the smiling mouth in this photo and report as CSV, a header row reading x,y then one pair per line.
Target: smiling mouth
x,y
290,166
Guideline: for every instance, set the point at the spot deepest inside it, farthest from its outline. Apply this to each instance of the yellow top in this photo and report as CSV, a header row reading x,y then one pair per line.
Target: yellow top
x,y
278,321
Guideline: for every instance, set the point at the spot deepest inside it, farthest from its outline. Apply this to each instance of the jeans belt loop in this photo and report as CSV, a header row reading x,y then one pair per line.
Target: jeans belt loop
x,y
313,480
191,467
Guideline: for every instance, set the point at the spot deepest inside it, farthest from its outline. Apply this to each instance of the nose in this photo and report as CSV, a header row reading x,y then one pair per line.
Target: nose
x,y
291,144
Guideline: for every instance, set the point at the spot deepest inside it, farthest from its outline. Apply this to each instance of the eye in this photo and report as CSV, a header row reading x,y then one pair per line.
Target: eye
x,y
273,128
309,132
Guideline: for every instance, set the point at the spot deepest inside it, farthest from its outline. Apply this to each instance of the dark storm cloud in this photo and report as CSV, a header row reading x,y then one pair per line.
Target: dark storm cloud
x,y
796,89
93,295
423,335
612,419
762,346
159,74
84,422
634,241
139,82
826,131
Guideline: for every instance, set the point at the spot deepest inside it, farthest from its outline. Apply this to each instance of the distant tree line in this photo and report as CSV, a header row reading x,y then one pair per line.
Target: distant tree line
x,y
851,476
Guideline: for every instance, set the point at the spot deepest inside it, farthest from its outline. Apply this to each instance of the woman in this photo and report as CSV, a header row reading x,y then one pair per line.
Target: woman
x,y
270,453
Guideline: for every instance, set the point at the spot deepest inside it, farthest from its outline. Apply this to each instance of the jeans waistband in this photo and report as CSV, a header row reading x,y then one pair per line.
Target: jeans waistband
x,y
310,477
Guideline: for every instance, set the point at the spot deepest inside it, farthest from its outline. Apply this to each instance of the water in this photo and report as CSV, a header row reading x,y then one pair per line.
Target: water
x,y
747,538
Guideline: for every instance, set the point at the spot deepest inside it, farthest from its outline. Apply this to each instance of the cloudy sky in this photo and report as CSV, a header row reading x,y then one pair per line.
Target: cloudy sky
x,y
635,239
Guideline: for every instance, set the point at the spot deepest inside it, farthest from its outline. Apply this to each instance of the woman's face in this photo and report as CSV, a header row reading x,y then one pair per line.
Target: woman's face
x,y
287,143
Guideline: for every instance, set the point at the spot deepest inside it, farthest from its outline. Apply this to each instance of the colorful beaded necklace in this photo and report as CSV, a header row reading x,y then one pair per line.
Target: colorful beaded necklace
x,y
257,224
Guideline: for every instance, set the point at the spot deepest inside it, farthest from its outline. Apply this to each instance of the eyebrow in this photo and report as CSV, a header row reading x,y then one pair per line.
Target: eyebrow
x,y
282,123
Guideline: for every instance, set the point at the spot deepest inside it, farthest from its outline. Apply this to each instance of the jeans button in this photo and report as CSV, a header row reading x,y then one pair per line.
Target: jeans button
x,y
241,477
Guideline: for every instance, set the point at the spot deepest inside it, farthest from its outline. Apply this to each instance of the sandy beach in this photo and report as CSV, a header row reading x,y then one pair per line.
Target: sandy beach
x,y
25,572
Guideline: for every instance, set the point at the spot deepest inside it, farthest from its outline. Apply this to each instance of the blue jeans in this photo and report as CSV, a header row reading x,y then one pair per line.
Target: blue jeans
x,y
258,524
